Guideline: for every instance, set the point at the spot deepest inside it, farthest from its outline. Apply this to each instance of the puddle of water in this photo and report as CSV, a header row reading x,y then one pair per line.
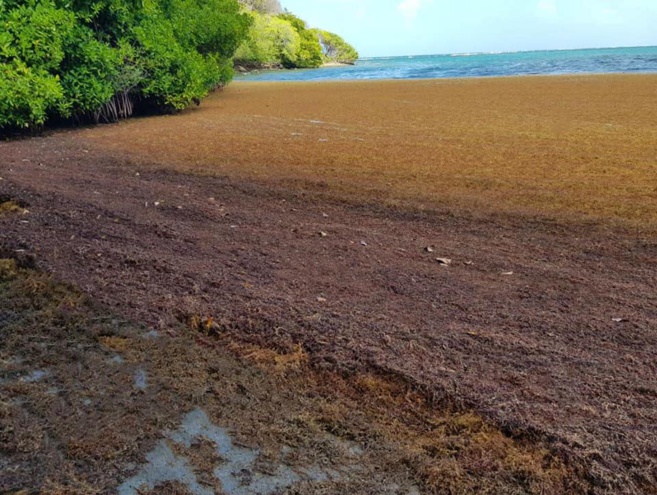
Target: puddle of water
x,y
163,465
237,472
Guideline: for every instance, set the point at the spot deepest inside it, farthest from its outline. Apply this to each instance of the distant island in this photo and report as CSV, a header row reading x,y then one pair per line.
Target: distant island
x,y
278,39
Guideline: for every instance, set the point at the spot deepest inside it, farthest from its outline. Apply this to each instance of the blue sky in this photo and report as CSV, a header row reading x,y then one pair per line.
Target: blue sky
x,y
414,27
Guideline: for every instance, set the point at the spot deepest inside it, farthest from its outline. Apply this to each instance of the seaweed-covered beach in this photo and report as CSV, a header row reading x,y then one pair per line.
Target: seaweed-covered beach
x,y
400,264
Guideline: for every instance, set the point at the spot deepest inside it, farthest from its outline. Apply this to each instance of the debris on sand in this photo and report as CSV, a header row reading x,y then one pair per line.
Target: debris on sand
x,y
8,269
141,379
9,206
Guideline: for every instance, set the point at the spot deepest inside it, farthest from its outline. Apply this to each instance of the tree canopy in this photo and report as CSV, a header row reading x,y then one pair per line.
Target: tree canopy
x,y
284,40
97,60
335,48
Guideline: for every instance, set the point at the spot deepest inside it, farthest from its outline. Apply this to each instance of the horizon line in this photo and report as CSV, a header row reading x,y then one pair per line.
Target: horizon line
x,y
503,52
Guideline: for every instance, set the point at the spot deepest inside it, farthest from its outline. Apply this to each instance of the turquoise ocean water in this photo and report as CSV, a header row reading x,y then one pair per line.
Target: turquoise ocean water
x,y
592,61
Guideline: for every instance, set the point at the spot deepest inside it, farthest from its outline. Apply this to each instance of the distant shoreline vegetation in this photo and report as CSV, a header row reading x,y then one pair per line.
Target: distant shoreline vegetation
x,y
278,39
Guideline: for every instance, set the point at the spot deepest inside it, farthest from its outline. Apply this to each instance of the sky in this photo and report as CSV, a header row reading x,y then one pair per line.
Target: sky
x,y
419,27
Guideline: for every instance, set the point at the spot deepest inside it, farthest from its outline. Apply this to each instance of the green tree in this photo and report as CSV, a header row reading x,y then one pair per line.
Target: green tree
x,y
88,73
271,42
309,54
36,33
335,48
188,47
32,46
297,23
284,40
28,96
310,51
96,59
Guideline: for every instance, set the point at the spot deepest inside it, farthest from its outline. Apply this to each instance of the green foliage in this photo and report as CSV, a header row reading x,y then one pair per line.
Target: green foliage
x,y
271,41
36,34
188,47
297,23
207,26
281,40
76,58
88,72
172,76
110,20
31,46
310,51
335,48
28,96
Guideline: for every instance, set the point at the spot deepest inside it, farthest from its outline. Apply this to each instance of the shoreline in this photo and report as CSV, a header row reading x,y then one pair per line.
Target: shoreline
x,y
245,69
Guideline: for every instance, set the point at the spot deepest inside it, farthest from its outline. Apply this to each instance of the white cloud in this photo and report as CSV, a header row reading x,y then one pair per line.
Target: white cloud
x,y
410,9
